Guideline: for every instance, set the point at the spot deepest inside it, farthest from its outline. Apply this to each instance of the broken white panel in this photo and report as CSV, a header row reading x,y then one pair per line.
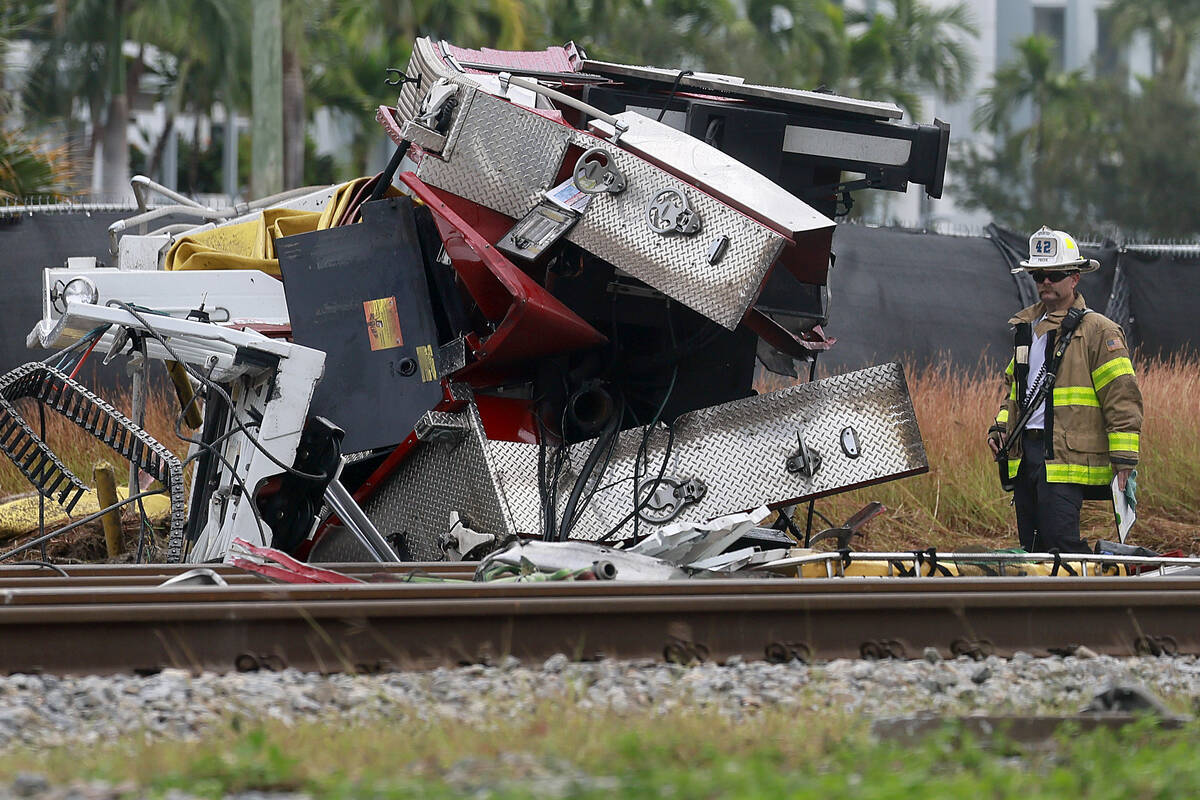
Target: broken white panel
x,y
193,342
725,562
553,556
738,559
667,544
518,94
232,298
460,540
714,536
142,253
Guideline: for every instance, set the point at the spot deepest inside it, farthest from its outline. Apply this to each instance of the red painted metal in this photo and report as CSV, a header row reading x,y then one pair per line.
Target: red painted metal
x,y
807,258
530,323
507,419
784,340
281,567
387,117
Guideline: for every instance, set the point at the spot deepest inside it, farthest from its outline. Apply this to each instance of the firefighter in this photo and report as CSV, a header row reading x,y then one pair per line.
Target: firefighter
x,y
1089,429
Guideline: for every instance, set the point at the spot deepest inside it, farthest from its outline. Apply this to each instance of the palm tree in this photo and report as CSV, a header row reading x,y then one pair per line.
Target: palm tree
x,y
804,40
208,52
1061,117
348,45
82,57
1173,27
913,49
1032,78
28,169
467,23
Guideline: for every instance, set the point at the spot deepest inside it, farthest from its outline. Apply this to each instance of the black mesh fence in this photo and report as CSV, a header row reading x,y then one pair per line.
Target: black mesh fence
x,y
897,295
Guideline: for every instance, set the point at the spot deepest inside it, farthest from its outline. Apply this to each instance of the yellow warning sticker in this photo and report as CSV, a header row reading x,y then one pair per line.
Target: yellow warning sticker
x,y
428,367
383,324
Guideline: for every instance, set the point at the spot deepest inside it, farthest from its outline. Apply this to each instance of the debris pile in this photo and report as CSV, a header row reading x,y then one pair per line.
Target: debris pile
x,y
532,339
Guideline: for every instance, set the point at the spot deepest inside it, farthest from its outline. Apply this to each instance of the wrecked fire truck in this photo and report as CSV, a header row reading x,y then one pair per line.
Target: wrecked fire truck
x,y
541,322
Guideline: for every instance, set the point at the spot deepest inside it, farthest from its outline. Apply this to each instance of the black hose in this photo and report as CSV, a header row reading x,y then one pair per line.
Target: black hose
x,y
589,466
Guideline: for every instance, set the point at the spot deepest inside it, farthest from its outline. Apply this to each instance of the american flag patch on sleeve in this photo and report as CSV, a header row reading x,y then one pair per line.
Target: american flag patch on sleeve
x,y
1113,344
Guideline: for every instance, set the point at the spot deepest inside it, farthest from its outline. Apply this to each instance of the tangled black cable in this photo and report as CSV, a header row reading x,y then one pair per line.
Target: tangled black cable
x,y
212,447
674,88
84,341
547,483
216,387
638,506
604,443
596,487
639,503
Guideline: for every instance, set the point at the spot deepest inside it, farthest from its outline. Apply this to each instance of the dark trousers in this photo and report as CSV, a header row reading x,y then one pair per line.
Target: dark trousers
x,y
1047,513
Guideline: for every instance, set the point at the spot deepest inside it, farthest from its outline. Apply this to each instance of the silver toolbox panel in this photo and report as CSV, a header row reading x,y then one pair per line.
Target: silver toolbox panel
x,y
614,228
738,450
440,476
427,66
506,156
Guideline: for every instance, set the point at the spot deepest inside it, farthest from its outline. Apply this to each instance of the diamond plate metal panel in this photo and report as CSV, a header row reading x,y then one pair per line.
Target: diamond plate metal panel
x,y
615,229
515,466
740,449
466,98
429,67
437,478
504,156
426,64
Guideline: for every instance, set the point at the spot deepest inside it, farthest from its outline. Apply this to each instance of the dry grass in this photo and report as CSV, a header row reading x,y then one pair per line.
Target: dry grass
x,y
959,505
81,452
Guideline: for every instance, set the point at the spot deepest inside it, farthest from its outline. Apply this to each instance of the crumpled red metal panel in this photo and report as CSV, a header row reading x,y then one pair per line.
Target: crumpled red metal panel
x,y
530,323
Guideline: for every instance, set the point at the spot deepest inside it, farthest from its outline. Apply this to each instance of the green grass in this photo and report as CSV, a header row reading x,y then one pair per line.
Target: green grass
x,y
573,753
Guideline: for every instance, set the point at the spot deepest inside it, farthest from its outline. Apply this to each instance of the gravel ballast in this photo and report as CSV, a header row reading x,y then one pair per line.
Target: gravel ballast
x,y
45,710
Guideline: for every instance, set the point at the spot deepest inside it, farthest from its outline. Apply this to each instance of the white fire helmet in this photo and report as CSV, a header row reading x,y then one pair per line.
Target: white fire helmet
x,y
1056,250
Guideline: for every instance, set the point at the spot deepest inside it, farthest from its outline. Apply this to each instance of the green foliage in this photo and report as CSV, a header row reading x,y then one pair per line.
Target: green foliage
x,y
1093,153
28,169
200,50
1097,155
580,754
254,761
1173,27
914,49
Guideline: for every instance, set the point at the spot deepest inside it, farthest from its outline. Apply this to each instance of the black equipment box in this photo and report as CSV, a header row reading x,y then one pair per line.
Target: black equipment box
x,y
360,294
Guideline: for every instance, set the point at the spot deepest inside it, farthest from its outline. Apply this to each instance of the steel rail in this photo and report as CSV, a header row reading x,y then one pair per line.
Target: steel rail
x,y
250,589
15,569
388,626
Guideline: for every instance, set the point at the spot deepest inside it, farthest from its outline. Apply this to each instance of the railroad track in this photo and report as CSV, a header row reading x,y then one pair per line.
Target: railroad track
x,y
105,620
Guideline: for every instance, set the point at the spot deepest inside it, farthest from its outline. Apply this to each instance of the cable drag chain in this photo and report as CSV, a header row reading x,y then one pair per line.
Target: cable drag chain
x,y
36,461
96,417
